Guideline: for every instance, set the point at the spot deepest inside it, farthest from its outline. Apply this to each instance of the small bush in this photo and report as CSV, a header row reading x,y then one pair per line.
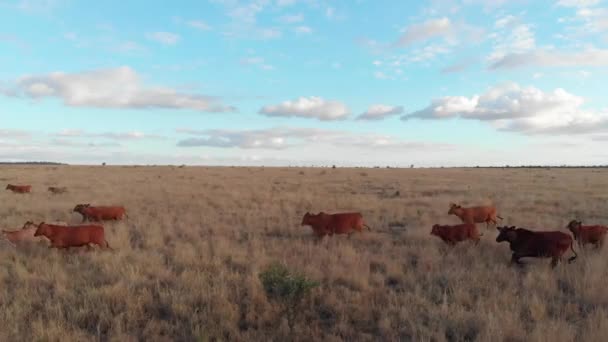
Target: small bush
x,y
287,289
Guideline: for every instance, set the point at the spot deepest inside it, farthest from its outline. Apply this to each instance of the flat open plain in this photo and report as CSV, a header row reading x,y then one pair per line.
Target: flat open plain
x,y
187,259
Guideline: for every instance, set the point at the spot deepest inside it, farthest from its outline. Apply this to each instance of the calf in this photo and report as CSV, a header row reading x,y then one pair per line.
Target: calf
x,y
25,234
100,213
72,236
329,224
57,190
457,233
543,244
19,189
588,234
479,214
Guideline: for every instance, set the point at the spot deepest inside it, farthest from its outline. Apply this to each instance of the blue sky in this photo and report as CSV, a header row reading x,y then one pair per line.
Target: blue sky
x,y
304,82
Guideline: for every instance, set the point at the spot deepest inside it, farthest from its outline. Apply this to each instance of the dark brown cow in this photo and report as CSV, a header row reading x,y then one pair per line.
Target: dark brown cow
x,y
538,244
457,233
478,214
72,236
57,190
19,189
100,213
588,234
329,224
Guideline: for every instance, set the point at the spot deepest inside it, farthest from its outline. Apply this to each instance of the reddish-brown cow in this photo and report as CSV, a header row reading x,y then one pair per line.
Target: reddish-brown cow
x,y
72,236
457,233
329,224
100,213
588,234
25,234
479,214
544,244
19,189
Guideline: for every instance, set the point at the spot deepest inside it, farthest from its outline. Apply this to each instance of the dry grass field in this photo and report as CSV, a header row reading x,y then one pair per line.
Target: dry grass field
x,y
187,260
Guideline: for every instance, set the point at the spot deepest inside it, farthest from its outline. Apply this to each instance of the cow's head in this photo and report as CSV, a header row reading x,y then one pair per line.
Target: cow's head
x,y
306,219
43,229
8,186
28,224
80,207
453,208
574,226
506,234
435,230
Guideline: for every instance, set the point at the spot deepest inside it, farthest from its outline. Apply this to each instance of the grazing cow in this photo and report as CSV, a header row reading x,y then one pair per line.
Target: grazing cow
x,y
100,213
457,233
25,234
57,190
72,236
19,189
588,234
329,224
545,244
480,214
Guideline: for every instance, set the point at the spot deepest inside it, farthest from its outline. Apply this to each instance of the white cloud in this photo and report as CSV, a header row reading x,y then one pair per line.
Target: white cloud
x,y
285,2
512,37
577,3
256,61
308,107
380,112
529,110
591,57
199,25
292,18
424,31
132,135
165,38
279,138
303,30
112,88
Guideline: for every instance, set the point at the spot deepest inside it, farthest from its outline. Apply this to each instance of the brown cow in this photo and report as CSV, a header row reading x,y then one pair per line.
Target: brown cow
x,y
25,234
479,214
19,189
588,234
543,244
329,224
72,236
457,233
57,190
100,213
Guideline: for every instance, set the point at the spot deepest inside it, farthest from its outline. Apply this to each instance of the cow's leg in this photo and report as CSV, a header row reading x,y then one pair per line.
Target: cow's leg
x,y
515,259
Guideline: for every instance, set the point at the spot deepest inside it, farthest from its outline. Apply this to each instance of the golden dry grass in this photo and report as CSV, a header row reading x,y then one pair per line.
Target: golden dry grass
x,y
187,259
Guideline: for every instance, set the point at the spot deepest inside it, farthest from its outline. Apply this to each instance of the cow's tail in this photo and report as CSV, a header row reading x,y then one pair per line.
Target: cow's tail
x,y
498,216
571,259
368,228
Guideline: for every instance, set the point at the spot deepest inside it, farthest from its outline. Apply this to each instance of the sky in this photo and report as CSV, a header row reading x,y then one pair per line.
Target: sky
x,y
305,82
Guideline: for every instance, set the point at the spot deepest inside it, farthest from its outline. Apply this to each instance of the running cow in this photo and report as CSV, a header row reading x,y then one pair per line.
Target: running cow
x,y
329,224
588,234
457,233
90,213
527,243
479,214
72,236
25,234
19,189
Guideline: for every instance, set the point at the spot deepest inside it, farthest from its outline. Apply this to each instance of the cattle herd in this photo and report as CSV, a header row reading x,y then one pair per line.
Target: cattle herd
x,y
64,236
523,242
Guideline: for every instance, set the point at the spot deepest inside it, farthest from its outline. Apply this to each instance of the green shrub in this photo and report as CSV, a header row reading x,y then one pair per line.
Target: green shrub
x,y
286,289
